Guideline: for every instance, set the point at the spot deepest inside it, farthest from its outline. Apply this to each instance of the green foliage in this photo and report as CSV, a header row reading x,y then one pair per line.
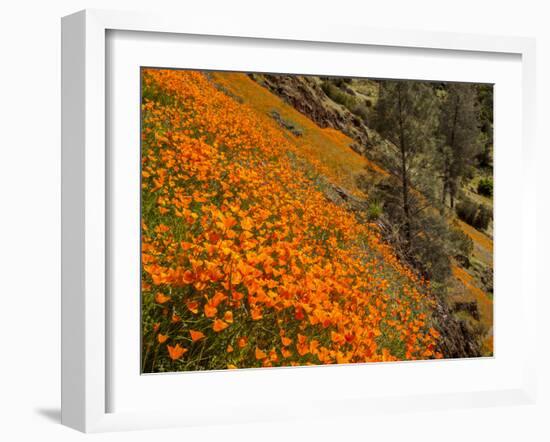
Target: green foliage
x,y
484,217
407,115
337,95
485,155
337,90
485,187
462,245
432,242
477,215
485,100
337,81
430,247
362,111
459,136
466,211
374,211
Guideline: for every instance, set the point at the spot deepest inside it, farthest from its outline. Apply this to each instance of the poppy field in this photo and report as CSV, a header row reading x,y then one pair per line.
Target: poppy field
x,y
245,261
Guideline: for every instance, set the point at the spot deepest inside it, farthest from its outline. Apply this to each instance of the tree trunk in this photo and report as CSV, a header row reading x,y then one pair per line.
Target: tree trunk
x,y
452,178
445,182
453,194
404,175
406,208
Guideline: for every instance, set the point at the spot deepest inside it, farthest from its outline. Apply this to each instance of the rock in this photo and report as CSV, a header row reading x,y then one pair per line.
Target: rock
x,y
468,307
457,340
487,279
359,148
464,261
288,125
341,196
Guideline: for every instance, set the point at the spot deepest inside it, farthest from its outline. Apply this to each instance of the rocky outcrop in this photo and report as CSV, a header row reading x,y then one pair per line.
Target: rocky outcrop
x,y
342,197
469,307
305,94
457,339
288,125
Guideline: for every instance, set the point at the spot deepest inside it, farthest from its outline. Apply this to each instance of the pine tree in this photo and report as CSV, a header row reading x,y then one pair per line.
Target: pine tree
x,y
485,100
406,116
459,128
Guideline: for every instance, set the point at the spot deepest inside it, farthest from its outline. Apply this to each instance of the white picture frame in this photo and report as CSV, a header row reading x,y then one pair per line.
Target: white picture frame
x,y
85,308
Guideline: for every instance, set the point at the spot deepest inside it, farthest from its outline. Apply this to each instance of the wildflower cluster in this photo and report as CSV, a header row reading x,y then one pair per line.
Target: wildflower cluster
x,y
245,263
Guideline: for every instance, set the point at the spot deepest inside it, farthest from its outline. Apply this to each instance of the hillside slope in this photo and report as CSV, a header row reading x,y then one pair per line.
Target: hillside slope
x,y
326,146
245,261
340,153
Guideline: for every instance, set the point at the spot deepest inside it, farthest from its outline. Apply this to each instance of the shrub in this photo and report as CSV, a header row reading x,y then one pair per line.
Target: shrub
x,y
484,216
462,245
485,187
466,211
477,215
374,211
336,95
429,249
361,111
341,81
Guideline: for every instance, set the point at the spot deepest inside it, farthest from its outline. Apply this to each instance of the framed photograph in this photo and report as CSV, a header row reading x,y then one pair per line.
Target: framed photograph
x,y
277,223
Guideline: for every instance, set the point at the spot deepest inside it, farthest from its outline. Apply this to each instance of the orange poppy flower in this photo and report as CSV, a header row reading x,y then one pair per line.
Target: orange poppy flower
x,y
286,341
209,310
176,352
228,317
161,298
256,313
260,354
193,306
219,325
196,335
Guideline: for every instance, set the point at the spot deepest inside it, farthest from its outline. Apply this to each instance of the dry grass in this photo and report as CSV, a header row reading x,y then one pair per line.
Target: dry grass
x,y
483,245
326,145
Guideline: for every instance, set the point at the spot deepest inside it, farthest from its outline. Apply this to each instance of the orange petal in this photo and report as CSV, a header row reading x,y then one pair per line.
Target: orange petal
x,y
210,311
193,306
176,352
260,354
196,335
219,325
161,298
228,316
